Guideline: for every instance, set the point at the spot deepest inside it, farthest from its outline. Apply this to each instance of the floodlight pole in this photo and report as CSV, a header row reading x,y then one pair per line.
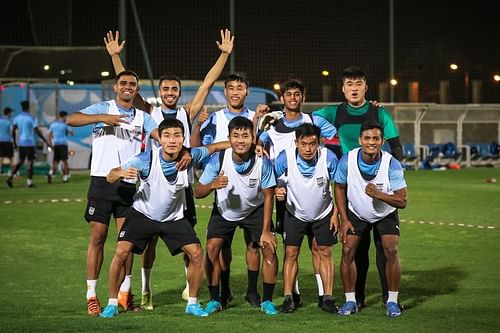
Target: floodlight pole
x,y
122,27
391,48
232,27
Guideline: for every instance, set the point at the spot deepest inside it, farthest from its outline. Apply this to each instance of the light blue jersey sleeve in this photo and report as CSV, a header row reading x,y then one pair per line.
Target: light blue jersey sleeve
x,y
268,180
280,164
198,154
327,129
140,162
341,171
208,130
149,123
396,175
331,162
265,139
98,108
211,170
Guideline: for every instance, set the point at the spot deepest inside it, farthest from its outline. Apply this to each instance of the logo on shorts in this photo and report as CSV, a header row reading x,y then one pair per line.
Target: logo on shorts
x,y
122,233
284,235
320,181
91,210
252,182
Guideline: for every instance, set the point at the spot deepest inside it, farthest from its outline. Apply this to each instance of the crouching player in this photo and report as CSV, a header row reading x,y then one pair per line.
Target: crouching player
x,y
304,173
369,189
244,185
158,210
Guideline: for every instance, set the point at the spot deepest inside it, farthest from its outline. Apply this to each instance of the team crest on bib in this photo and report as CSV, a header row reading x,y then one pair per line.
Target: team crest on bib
x,y
252,182
320,181
178,187
380,186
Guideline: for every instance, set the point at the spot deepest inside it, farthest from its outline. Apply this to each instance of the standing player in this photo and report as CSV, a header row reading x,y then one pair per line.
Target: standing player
x,y
26,124
244,185
158,210
347,119
6,147
58,138
309,210
280,137
118,135
369,188
215,129
170,90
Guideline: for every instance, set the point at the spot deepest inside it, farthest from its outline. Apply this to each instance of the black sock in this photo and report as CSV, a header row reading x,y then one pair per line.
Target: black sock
x,y
253,277
224,283
268,290
214,292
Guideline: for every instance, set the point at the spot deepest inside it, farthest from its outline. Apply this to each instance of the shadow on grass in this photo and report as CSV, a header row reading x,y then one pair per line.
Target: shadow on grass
x,y
417,286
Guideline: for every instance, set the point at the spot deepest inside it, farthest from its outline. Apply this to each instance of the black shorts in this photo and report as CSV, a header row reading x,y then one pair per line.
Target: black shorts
x,y
60,152
27,152
190,212
105,199
218,227
388,225
6,149
295,230
139,229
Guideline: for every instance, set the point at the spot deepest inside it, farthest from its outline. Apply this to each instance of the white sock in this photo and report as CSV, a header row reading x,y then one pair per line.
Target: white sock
x,y
350,297
393,296
321,292
126,283
51,172
65,177
192,300
186,272
113,301
29,181
91,284
296,289
146,280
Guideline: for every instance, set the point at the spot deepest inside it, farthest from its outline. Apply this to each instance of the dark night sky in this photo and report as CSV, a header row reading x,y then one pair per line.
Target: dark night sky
x,y
277,39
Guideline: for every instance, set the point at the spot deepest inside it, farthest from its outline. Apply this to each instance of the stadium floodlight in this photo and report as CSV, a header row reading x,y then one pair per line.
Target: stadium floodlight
x,y
104,73
46,67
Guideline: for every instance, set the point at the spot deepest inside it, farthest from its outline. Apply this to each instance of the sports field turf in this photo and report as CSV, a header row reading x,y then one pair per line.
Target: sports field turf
x,y
450,251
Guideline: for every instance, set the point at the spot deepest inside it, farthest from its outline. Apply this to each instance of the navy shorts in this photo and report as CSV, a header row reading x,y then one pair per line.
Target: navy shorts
x,y
295,230
389,225
139,229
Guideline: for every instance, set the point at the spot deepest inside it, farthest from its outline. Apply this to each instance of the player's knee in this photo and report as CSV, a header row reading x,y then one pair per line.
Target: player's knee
x,y
291,253
324,251
348,253
121,254
213,250
391,252
196,256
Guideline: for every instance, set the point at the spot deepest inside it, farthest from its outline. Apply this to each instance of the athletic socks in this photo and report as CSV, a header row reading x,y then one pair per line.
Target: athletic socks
x,y
113,301
350,297
214,292
126,283
319,282
146,280
224,283
253,277
192,300
267,291
393,296
91,284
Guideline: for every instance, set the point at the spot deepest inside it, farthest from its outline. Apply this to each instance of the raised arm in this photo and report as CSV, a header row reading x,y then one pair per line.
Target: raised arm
x,y
225,47
114,48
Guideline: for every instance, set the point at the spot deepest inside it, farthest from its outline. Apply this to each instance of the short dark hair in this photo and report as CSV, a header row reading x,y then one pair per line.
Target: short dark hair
x,y
25,105
170,123
292,84
368,125
127,72
169,77
240,77
307,129
7,111
63,114
353,72
240,122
